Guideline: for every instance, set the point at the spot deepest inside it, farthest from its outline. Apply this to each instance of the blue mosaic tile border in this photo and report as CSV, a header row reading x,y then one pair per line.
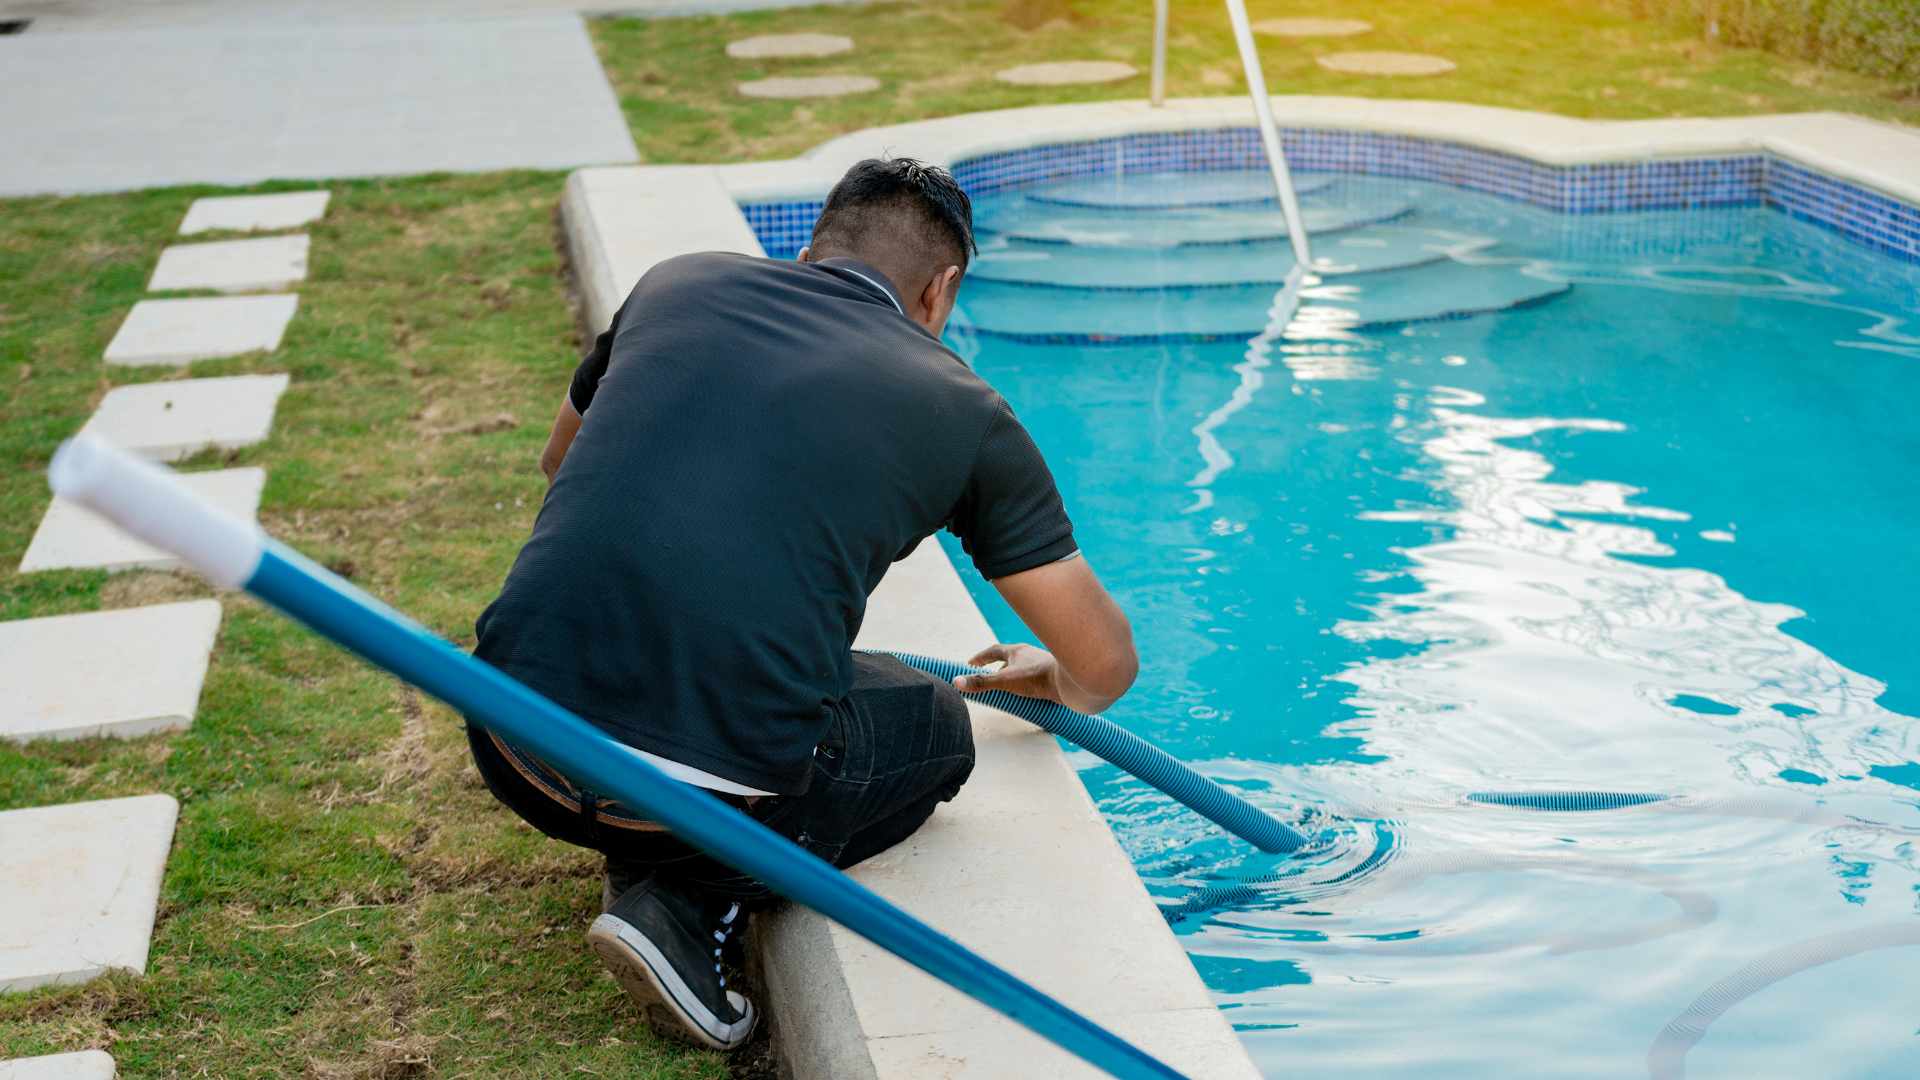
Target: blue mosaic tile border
x,y
1863,216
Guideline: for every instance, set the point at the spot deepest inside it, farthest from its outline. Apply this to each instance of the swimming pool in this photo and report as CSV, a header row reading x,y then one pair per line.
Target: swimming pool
x,y
1520,502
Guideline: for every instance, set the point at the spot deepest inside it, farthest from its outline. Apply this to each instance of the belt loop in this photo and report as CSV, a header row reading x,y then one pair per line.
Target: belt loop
x,y
590,812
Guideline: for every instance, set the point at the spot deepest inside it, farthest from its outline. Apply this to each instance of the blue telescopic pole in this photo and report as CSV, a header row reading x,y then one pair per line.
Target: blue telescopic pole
x,y
151,503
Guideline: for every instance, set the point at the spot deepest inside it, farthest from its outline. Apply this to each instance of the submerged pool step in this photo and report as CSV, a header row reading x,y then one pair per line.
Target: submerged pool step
x,y
1366,250
1033,222
1172,190
1091,316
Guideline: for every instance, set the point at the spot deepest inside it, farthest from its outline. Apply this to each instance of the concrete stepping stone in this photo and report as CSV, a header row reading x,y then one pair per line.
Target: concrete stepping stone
x,y
1067,73
1312,27
809,86
167,421
173,332
254,213
78,886
156,657
258,265
73,537
85,1065
788,46
1386,63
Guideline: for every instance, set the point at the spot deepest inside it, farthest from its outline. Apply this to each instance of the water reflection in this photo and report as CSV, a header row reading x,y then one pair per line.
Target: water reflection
x,y
1646,539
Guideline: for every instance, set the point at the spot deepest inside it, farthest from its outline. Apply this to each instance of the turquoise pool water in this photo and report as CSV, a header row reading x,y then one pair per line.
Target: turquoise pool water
x,y
1639,517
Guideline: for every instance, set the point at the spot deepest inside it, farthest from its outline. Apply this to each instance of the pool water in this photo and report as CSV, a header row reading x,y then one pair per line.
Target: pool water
x,y
1517,503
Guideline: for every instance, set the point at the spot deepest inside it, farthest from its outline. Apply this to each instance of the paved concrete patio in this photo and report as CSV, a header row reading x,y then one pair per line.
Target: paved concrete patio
x,y
236,104
129,14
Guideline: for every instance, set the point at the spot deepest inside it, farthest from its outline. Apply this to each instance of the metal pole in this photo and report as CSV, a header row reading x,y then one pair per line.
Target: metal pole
x,y
1159,92
1269,130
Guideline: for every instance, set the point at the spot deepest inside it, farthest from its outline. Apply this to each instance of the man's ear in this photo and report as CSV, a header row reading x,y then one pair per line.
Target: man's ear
x,y
940,292
802,257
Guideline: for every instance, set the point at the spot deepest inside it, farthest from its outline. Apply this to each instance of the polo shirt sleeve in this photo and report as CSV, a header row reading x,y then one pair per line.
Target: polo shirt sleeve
x,y
586,377
1010,517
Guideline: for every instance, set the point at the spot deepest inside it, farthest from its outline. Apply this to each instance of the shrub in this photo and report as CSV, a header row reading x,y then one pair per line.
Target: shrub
x,y
1878,37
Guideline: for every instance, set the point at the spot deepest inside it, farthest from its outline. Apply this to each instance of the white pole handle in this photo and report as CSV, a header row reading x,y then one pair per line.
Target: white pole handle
x,y
151,503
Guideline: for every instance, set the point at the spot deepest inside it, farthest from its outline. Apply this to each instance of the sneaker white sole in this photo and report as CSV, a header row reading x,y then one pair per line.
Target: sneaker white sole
x,y
658,989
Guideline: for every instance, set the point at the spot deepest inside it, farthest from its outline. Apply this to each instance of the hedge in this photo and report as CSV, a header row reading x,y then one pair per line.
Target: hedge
x,y
1878,37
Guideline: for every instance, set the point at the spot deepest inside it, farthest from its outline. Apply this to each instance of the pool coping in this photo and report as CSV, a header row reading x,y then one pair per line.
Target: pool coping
x,y
994,867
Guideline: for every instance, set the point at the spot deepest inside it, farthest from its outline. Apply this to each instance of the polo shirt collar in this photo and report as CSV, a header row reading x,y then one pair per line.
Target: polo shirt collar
x,y
862,273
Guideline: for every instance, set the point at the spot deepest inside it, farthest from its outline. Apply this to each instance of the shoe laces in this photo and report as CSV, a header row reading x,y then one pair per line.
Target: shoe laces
x,y
720,935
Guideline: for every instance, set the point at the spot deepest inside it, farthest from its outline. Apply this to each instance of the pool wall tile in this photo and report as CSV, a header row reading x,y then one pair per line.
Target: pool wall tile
x,y
1857,213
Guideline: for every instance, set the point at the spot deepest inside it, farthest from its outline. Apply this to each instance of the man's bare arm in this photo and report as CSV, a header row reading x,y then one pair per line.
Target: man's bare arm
x,y
1089,659
565,427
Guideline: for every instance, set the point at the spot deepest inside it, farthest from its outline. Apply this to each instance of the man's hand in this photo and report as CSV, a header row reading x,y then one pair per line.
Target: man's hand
x,y
1032,672
1024,670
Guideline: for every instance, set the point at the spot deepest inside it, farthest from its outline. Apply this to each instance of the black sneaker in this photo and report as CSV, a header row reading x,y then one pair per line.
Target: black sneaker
x,y
664,944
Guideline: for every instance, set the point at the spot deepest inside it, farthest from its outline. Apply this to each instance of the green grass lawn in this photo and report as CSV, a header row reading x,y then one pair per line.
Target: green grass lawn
x,y
343,898
676,83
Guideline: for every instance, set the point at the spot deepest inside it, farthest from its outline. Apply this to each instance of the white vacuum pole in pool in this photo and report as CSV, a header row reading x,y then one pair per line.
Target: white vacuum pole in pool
x,y
1269,132
1157,96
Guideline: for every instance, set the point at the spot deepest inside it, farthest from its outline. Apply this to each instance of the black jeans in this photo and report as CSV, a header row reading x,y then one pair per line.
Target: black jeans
x,y
899,744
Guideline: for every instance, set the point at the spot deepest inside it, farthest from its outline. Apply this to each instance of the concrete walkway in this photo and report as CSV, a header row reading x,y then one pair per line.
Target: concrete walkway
x,y
149,14
234,104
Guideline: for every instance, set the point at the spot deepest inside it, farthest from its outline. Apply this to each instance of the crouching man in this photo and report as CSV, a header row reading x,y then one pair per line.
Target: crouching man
x,y
737,462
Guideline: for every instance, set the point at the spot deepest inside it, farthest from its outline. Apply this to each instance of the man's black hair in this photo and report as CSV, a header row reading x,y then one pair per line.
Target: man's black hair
x,y
897,213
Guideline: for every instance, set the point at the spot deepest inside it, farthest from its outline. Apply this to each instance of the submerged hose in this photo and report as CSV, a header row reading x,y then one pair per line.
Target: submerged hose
x,y
1667,1057
1120,747
1565,802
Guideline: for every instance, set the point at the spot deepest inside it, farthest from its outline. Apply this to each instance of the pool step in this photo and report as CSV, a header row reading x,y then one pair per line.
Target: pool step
x,y
1172,190
1366,250
1092,316
1034,222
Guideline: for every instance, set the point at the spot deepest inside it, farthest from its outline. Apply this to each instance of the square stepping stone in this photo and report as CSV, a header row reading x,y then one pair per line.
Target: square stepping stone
x,y
85,1065
181,331
1067,73
254,213
258,265
787,46
1386,63
809,86
1312,27
78,887
73,537
52,669
171,420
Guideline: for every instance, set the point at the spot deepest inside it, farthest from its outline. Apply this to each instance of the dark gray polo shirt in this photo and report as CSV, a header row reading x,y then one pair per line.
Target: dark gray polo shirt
x,y
761,440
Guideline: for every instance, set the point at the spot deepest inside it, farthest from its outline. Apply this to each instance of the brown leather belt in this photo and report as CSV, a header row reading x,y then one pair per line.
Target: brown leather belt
x,y
556,787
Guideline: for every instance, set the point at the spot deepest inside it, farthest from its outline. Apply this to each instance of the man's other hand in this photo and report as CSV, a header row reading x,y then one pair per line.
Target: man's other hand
x,y
1024,670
